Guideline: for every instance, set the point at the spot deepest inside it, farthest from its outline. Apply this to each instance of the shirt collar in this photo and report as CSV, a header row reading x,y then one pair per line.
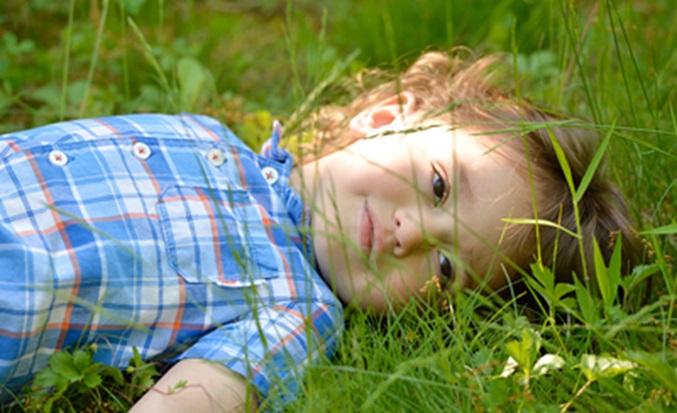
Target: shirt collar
x,y
271,150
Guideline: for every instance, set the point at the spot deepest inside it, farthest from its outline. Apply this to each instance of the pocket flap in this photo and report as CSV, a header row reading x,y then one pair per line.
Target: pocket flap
x,y
216,236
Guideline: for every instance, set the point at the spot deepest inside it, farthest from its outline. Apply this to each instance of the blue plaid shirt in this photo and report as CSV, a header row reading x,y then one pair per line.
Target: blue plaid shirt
x,y
163,233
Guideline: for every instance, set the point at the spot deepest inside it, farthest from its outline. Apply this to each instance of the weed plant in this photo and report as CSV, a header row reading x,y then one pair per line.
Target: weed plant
x,y
249,61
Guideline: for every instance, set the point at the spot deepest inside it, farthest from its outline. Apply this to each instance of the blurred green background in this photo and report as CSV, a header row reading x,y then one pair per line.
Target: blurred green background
x,y
268,54
247,62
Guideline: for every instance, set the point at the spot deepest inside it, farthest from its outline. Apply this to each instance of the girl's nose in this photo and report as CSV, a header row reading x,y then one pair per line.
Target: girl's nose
x,y
412,232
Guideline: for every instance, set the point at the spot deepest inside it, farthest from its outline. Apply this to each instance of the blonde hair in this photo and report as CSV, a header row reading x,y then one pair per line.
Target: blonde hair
x,y
470,93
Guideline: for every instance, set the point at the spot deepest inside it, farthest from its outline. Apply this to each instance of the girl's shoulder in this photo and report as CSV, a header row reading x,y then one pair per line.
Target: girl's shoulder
x,y
156,126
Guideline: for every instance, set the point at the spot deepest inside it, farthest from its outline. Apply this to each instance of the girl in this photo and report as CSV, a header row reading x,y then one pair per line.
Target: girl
x,y
165,234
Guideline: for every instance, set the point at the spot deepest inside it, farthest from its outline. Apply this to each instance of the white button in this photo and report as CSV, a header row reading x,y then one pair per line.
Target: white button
x,y
58,158
215,156
141,150
270,174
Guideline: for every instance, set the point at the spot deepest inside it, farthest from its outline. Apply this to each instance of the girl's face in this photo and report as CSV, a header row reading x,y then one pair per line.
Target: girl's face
x,y
392,212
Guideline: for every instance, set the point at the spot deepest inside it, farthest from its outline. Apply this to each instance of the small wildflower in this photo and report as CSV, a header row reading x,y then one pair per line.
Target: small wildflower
x,y
434,280
510,367
546,363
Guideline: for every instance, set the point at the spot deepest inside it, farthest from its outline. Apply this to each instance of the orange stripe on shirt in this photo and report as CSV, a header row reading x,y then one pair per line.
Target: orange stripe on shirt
x,y
177,325
300,316
215,233
110,127
280,345
182,287
145,164
206,129
265,218
240,168
13,146
289,337
67,243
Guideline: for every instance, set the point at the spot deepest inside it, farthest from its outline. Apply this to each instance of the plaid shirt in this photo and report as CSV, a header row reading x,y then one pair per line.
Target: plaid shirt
x,y
163,233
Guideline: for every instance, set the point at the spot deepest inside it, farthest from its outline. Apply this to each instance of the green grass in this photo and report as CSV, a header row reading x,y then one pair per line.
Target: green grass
x,y
247,62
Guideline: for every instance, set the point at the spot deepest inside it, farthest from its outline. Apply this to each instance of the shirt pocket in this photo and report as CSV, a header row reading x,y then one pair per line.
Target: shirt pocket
x,y
216,236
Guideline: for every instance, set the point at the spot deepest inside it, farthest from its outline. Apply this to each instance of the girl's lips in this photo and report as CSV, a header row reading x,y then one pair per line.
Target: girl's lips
x,y
371,233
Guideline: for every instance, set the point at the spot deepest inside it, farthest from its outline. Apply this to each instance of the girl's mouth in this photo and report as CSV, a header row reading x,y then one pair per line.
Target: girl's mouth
x,y
370,237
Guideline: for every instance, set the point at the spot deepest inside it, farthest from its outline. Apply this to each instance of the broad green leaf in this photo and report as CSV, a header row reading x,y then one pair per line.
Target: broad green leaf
x,y
482,357
82,360
616,314
47,378
568,302
92,379
47,408
191,76
614,269
48,94
62,363
76,91
639,274
524,351
585,302
563,289
602,277
531,341
536,285
113,372
516,351
137,357
144,382
545,276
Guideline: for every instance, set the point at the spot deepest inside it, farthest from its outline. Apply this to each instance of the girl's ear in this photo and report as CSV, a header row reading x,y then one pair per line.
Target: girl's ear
x,y
389,114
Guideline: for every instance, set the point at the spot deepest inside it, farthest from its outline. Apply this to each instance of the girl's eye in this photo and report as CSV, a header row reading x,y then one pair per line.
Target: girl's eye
x,y
446,268
439,188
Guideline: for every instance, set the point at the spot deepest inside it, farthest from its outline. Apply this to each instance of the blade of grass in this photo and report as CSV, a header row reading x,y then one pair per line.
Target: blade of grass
x,y
571,24
594,164
148,53
619,58
664,230
66,61
525,143
529,221
638,74
291,49
566,170
125,60
95,57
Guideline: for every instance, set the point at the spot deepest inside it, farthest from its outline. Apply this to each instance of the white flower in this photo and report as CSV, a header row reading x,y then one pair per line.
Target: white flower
x,y
510,367
546,363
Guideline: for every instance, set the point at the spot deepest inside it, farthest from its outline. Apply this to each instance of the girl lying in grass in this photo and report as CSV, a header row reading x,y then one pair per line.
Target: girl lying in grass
x,y
167,235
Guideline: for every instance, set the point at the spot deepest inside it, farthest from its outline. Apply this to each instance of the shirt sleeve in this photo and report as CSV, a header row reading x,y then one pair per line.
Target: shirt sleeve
x,y
271,346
